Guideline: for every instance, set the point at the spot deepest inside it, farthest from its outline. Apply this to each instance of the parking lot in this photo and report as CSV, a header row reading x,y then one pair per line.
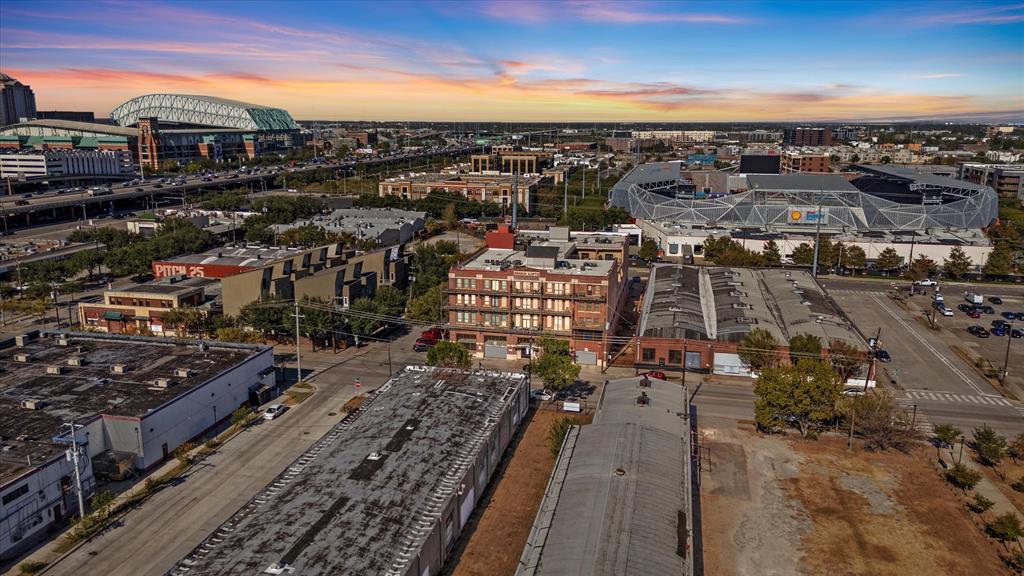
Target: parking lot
x,y
934,371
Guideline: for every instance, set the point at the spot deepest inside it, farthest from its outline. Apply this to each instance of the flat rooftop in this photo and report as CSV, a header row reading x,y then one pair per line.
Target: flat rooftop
x,y
83,392
356,501
724,304
169,286
239,256
524,180
619,491
496,259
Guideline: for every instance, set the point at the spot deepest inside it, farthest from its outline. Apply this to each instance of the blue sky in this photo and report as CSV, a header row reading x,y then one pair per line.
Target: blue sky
x,y
529,60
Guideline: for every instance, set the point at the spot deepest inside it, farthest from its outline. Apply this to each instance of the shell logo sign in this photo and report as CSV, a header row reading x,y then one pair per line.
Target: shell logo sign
x,y
795,215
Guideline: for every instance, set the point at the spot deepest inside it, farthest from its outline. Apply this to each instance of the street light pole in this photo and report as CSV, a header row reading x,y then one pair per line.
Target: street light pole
x,y
1006,359
298,349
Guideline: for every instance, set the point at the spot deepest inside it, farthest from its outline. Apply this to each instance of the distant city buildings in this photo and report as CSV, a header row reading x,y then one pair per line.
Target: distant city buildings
x,y
807,136
1006,179
383,226
502,189
801,162
17,101
61,163
675,135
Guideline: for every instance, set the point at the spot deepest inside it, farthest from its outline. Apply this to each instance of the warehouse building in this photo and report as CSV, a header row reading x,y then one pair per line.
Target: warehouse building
x,y
133,400
139,309
619,499
384,226
387,491
697,316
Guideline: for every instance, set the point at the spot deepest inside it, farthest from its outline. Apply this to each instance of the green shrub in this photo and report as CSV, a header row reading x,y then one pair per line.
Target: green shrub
x,y
963,477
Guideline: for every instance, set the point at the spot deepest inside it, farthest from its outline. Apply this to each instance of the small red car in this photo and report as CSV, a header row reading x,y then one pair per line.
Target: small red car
x,y
424,344
433,334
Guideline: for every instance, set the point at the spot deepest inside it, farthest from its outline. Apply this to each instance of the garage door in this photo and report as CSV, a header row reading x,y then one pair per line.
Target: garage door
x,y
729,365
495,350
586,357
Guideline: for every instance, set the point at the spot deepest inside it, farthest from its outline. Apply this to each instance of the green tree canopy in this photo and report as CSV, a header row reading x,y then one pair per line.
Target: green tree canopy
x,y
888,260
804,346
854,258
759,350
803,254
990,446
450,355
845,357
958,264
923,267
999,261
648,249
771,253
429,306
803,396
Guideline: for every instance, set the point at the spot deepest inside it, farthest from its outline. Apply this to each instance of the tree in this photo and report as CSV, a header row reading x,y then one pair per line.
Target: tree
x,y
270,317
365,320
557,431
946,434
101,503
235,334
450,216
880,421
648,250
803,254
888,260
999,261
183,453
958,264
771,253
306,236
922,267
804,346
390,301
963,477
845,357
1005,527
980,505
1015,449
990,446
555,367
449,355
243,417
431,263
803,396
759,350
854,258
429,306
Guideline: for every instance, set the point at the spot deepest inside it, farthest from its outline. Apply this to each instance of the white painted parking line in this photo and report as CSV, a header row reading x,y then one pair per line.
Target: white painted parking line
x,y
927,345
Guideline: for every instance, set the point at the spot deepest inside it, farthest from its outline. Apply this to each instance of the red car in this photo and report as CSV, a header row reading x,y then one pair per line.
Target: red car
x,y
424,344
655,374
433,334
974,313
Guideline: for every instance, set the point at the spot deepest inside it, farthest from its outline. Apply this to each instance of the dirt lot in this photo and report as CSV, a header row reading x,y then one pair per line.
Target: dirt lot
x,y
780,506
500,535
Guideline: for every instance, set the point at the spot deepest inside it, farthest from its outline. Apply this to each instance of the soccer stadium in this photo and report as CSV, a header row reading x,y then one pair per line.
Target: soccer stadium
x,y
882,199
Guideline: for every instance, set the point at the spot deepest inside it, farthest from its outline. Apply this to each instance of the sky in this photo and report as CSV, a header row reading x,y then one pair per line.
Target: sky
x,y
528,60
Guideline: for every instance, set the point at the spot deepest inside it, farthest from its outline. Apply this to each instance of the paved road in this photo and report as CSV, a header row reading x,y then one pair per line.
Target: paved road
x,y
178,518
925,370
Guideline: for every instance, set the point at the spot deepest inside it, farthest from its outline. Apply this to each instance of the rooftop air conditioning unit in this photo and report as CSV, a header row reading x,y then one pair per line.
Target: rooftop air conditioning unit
x,y
119,369
33,404
54,369
76,361
182,372
22,339
63,341
163,382
24,358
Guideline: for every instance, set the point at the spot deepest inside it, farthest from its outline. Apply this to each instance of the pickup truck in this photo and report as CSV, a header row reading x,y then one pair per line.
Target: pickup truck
x,y
976,299
925,282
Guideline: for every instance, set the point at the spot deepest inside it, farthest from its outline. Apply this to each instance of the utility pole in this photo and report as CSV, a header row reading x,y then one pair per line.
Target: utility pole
x,y
817,240
298,349
1006,359
565,177
78,471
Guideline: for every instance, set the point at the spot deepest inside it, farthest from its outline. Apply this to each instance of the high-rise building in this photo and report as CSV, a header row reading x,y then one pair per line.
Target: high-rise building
x,y
807,136
17,101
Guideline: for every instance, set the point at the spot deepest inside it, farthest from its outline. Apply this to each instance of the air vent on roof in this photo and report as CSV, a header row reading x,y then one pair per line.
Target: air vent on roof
x,y
182,372
23,339
76,361
734,283
33,404
119,369
24,358
645,382
643,399
63,341
54,369
741,306
163,382
737,293
374,456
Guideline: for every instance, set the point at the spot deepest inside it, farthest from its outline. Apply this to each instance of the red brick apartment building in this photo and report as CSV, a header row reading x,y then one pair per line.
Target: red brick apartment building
x,y
797,162
502,298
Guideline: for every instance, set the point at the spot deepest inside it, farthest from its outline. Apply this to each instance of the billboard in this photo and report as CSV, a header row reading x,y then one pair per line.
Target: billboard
x,y
806,215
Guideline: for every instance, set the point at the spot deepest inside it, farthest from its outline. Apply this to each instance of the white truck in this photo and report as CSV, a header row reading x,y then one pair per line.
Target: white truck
x,y
973,298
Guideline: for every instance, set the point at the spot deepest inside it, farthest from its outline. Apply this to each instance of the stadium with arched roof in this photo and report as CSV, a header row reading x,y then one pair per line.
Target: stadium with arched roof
x,y
203,111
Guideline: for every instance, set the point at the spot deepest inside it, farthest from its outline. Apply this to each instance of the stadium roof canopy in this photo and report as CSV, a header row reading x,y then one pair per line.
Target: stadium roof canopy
x,y
883,199
203,111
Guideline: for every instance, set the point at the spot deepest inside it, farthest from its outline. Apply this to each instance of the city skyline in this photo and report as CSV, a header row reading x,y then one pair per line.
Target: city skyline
x,y
529,60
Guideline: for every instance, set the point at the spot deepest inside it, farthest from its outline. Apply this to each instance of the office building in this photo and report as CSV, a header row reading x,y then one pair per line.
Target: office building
x,y
66,115
698,315
133,400
807,136
388,490
502,298
619,502
675,135
497,188
510,160
1005,179
17,101
803,162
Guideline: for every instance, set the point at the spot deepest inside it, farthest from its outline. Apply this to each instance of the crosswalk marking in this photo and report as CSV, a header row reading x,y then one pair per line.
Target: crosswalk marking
x,y
964,398
847,291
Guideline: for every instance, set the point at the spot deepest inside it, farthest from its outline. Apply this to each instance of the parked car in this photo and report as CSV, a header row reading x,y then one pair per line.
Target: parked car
x,y
978,331
273,411
1009,315
945,311
542,395
1016,333
999,323
986,309
883,356
998,330
424,344
974,313
655,374
925,282
965,308
995,300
